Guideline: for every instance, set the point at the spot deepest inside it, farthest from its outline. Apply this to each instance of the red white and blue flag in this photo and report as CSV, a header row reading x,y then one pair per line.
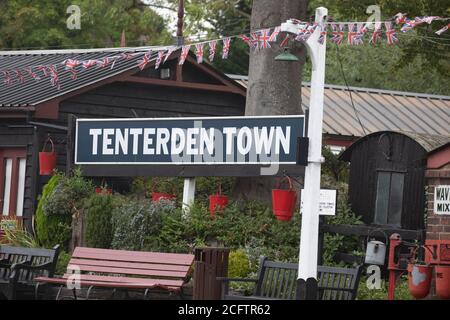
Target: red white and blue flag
x,y
264,39
352,33
246,40
43,69
33,74
360,32
323,34
338,35
199,52
212,49
426,19
7,77
145,60
54,78
104,62
443,29
400,18
408,25
254,40
391,34
226,47
184,54
275,33
169,52
376,33
89,64
19,75
159,58
71,63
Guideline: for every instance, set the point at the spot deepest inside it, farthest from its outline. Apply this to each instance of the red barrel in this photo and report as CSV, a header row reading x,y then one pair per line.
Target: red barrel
x,y
284,201
156,196
217,202
47,160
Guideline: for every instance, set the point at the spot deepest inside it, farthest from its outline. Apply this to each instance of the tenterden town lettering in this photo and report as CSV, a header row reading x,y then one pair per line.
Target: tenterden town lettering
x,y
204,141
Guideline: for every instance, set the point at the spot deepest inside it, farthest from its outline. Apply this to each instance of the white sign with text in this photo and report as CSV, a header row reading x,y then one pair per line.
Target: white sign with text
x,y
327,206
442,200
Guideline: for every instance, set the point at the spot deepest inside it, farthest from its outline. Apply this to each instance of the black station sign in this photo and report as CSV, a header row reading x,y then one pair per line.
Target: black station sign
x,y
189,141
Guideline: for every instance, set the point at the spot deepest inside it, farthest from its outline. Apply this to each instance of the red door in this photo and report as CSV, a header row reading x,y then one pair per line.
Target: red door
x,y
12,182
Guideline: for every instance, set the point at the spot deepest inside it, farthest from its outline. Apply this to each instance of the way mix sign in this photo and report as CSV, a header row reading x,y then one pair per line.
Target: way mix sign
x,y
214,140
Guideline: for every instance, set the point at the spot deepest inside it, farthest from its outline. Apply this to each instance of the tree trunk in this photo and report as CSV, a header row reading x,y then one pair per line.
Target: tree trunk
x,y
274,87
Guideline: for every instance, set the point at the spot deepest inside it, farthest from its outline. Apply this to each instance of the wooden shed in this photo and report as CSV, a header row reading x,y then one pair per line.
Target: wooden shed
x,y
387,184
33,110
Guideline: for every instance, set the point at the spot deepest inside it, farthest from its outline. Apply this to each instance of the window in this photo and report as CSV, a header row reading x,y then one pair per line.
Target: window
x,y
389,198
12,181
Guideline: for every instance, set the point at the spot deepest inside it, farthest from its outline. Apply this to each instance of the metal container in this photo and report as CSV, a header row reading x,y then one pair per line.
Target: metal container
x,y
375,252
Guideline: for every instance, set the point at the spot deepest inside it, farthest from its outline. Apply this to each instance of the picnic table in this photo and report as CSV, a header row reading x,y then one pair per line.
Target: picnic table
x,y
122,270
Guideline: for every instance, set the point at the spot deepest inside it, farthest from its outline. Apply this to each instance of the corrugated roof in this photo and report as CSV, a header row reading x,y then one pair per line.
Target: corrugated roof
x,y
33,92
379,110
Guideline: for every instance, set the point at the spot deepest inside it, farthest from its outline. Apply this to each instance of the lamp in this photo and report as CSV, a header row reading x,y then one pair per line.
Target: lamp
x,y
286,56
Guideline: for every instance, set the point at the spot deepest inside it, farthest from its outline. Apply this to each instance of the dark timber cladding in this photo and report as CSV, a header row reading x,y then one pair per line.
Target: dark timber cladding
x,y
386,184
32,111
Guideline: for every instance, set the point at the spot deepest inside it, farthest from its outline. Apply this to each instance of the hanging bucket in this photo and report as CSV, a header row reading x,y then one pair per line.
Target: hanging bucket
x,y
217,201
47,160
419,280
442,281
284,201
103,188
156,196
376,250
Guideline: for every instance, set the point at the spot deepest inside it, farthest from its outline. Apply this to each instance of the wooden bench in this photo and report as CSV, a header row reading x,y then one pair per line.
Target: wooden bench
x,y
277,280
124,270
20,266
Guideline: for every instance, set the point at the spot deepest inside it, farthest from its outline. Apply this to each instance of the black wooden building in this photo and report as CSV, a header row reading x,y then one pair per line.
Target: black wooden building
x,y
387,179
33,110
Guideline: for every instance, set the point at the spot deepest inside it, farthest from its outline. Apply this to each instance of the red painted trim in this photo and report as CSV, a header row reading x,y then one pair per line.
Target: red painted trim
x,y
439,158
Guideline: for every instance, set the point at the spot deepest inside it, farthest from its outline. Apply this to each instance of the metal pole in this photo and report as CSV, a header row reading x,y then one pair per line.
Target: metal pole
x,y
180,39
188,194
307,266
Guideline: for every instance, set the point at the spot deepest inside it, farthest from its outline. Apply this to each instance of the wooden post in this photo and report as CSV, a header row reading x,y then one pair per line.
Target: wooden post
x,y
70,145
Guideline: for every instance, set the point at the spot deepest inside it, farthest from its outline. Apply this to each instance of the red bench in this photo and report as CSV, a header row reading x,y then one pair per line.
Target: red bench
x,y
124,270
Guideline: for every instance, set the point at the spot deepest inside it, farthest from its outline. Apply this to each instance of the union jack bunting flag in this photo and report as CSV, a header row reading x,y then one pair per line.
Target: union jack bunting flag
x,y
391,34
285,41
145,60
427,19
54,78
71,63
32,74
376,34
361,30
43,69
352,32
264,39
212,50
104,62
126,55
400,18
159,58
246,39
323,35
309,31
169,52
199,52
184,54
7,77
19,75
442,30
89,64
254,40
226,47
275,33
338,36
302,33
73,73
408,25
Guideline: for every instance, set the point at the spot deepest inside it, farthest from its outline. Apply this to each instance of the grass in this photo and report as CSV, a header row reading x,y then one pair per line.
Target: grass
x,y
401,290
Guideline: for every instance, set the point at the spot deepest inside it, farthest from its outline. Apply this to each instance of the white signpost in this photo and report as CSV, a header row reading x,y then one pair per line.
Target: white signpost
x,y
442,200
309,238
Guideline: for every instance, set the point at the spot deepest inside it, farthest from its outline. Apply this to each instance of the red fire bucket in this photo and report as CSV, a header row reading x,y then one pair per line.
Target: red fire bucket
x,y
156,196
419,280
284,201
217,201
443,281
47,160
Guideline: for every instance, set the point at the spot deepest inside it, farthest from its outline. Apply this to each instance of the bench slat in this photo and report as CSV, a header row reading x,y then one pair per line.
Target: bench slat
x,y
133,256
144,281
142,272
130,265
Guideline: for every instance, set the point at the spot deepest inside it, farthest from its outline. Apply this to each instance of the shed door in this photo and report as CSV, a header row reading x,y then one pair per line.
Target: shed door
x,y
389,199
12,181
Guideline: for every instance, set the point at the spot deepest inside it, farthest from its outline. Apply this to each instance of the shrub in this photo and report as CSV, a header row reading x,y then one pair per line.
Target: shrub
x,y
238,264
98,213
61,264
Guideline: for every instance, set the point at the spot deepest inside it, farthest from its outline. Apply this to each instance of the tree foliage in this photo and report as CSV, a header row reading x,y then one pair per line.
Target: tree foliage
x,y
42,24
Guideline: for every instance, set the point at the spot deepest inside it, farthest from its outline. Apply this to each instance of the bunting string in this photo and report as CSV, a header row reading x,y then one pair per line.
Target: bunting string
x,y
261,39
